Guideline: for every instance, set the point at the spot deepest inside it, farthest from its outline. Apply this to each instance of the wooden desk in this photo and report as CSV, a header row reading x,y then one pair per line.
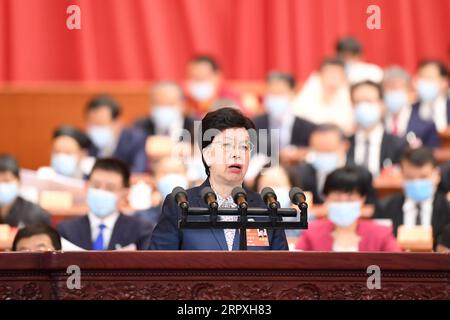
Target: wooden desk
x,y
224,275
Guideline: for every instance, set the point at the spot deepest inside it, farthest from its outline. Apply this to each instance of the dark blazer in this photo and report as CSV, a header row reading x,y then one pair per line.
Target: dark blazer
x,y
392,208
167,235
423,129
444,185
26,212
130,149
309,182
391,148
301,130
148,126
127,230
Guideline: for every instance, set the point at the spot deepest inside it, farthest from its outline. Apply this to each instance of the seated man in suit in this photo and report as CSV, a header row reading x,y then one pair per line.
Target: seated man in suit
x,y
15,210
205,84
37,237
166,117
432,85
226,149
420,203
109,137
400,119
293,131
345,191
104,227
328,151
371,146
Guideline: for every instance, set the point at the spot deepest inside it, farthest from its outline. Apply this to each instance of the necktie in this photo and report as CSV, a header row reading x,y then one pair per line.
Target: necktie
x,y
366,154
418,218
395,125
99,243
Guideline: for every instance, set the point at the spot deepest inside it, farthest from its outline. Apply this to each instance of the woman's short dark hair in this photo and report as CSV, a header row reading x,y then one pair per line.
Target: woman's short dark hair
x,y
105,101
113,165
9,164
347,179
69,131
222,119
35,230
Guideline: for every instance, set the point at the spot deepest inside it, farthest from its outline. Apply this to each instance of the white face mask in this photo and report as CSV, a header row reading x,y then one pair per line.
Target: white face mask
x,y
283,196
277,105
201,91
367,114
101,136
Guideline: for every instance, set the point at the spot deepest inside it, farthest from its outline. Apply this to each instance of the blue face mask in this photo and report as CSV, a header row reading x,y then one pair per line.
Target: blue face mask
x,y
343,214
64,164
170,181
164,116
367,114
427,90
325,162
419,190
277,105
283,196
202,91
8,192
101,202
101,136
395,100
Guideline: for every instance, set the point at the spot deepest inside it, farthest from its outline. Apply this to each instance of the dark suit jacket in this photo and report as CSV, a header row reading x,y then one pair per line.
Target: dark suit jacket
x,y
148,126
26,212
167,235
423,129
309,182
301,130
127,230
392,208
391,148
130,149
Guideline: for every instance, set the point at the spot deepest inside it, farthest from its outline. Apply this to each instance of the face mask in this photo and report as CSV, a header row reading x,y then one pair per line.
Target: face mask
x,y
164,116
276,105
427,90
343,214
419,190
64,164
367,114
395,100
283,196
170,181
102,136
140,196
202,91
8,192
325,162
101,202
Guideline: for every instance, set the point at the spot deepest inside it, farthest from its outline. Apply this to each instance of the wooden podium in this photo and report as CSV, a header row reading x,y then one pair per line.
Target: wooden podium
x,y
224,275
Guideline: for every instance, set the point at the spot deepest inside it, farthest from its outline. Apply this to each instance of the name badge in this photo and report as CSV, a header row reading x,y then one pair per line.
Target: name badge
x,y
257,238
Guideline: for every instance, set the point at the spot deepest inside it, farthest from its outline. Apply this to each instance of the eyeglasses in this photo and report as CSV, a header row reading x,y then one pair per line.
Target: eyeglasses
x,y
228,146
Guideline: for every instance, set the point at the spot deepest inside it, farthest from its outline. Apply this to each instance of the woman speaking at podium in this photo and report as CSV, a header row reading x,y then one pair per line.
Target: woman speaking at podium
x,y
226,147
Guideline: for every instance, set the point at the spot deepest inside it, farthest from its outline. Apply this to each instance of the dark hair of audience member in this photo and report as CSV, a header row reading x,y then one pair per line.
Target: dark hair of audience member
x,y
35,230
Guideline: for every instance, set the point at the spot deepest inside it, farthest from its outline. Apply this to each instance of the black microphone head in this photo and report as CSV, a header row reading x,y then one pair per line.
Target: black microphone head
x,y
295,193
206,191
266,192
178,190
238,191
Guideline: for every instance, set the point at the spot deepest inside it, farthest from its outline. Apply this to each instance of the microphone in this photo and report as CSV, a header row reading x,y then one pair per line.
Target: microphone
x,y
297,196
269,197
180,197
240,197
209,197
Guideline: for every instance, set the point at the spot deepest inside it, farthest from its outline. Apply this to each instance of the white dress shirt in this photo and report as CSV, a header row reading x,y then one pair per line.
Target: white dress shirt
x,y
435,111
410,212
109,222
375,138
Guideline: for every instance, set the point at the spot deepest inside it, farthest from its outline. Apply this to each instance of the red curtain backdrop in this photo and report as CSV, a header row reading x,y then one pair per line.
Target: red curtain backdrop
x,y
153,39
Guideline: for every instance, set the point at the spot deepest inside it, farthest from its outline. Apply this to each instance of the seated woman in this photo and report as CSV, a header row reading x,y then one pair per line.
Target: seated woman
x,y
345,191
